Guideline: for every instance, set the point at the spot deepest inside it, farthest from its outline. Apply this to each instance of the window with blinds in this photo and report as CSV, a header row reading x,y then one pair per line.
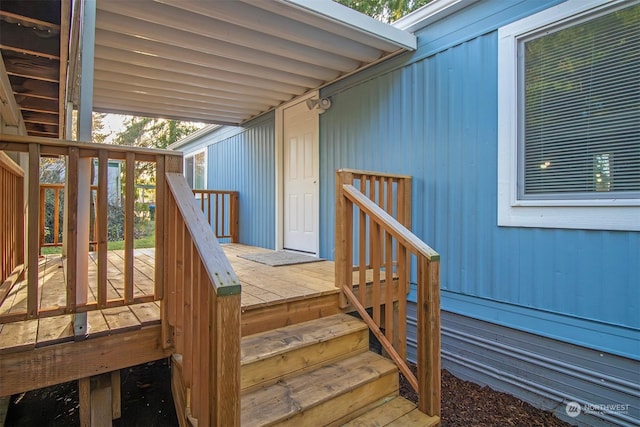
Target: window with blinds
x,y
579,103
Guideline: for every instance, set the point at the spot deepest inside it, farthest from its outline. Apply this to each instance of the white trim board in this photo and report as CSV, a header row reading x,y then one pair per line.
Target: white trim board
x,y
603,214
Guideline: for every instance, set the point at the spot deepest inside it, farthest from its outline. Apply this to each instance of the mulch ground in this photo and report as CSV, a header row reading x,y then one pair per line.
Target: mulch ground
x,y
147,402
466,404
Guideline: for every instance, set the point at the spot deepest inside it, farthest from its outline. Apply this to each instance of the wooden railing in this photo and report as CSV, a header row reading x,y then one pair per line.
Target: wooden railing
x,y
56,218
221,209
372,226
201,314
11,223
79,157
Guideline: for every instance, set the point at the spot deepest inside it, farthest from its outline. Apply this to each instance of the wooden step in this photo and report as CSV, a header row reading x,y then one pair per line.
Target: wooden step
x,y
273,355
330,395
397,412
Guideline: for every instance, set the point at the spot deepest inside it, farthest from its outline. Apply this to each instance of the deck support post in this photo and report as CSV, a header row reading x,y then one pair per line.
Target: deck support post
x,y
99,399
85,124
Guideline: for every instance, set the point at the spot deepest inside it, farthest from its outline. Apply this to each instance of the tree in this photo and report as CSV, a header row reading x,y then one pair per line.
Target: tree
x,y
154,133
384,10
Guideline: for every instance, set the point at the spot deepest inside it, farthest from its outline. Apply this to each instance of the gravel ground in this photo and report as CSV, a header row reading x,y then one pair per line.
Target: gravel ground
x,y
147,402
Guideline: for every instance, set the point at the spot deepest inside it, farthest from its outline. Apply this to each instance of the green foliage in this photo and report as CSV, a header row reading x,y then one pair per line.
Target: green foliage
x,y
142,227
49,216
153,133
384,10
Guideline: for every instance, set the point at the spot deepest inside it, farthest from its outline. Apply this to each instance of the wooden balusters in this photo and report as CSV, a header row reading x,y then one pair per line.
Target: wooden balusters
x,y
37,198
385,247
202,303
11,224
221,210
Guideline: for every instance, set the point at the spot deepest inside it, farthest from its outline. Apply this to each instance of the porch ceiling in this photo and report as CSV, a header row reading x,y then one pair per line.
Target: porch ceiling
x,y
227,61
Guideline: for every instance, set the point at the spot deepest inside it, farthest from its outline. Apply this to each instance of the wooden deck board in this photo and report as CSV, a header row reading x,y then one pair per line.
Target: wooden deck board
x,y
52,277
264,285
274,295
55,330
96,324
18,336
147,313
121,319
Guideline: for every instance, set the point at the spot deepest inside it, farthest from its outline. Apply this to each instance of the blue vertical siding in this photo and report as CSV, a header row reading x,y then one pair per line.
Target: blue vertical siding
x,y
435,118
243,159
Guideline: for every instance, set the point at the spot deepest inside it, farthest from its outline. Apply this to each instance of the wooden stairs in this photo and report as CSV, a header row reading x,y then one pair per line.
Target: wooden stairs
x,y
321,373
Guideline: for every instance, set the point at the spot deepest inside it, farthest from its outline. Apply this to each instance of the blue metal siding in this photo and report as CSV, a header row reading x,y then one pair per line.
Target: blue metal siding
x,y
243,159
436,119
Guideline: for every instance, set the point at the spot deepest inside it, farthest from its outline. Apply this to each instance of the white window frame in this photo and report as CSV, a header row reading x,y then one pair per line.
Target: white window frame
x,y
595,214
192,154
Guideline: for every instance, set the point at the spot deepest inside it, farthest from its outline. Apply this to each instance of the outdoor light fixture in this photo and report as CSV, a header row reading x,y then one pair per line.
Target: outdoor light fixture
x,y
322,104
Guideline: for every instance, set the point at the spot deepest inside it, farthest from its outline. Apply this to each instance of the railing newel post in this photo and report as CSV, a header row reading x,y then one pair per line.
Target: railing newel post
x,y
343,235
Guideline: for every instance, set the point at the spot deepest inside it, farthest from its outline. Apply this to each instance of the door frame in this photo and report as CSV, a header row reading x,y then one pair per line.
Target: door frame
x,y
279,168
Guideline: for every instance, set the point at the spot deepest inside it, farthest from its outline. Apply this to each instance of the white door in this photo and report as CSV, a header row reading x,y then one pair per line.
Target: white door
x,y
301,211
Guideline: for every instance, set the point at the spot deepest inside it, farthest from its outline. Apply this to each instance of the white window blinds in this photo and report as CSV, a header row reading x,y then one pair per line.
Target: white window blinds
x,y
580,130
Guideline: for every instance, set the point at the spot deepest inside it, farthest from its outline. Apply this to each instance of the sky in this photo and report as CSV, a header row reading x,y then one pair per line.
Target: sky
x,y
114,123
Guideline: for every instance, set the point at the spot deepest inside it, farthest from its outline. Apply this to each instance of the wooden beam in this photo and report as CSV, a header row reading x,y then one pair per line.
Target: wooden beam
x,y
102,210
116,398
42,118
65,26
29,66
33,243
226,368
86,149
8,106
26,18
84,396
129,202
55,364
40,105
101,406
31,87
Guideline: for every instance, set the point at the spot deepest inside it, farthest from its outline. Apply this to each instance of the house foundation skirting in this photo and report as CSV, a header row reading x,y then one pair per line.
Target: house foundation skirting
x,y
546,373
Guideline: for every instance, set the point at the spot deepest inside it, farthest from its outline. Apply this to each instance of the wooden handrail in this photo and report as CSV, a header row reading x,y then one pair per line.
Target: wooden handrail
x,y
79,155
381,206
390,224
201,313
53,146
221,210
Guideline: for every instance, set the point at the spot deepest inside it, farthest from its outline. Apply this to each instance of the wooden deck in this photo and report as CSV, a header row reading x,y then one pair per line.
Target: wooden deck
x,y
271,297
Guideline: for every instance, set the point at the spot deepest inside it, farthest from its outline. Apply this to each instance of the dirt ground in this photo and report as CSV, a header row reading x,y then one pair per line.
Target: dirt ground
x,y
147,402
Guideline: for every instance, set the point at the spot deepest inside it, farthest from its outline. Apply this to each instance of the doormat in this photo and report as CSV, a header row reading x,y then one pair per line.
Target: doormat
x,y
280,258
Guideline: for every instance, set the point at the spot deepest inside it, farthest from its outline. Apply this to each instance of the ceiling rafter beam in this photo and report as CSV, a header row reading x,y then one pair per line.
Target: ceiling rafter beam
x,y
181,89
134,18
157,99
114,46
243,15
169,93
204,80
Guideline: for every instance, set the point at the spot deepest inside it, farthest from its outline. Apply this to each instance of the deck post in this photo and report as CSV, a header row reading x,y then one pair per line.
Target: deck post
x,y
85,122
97,395
343,232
